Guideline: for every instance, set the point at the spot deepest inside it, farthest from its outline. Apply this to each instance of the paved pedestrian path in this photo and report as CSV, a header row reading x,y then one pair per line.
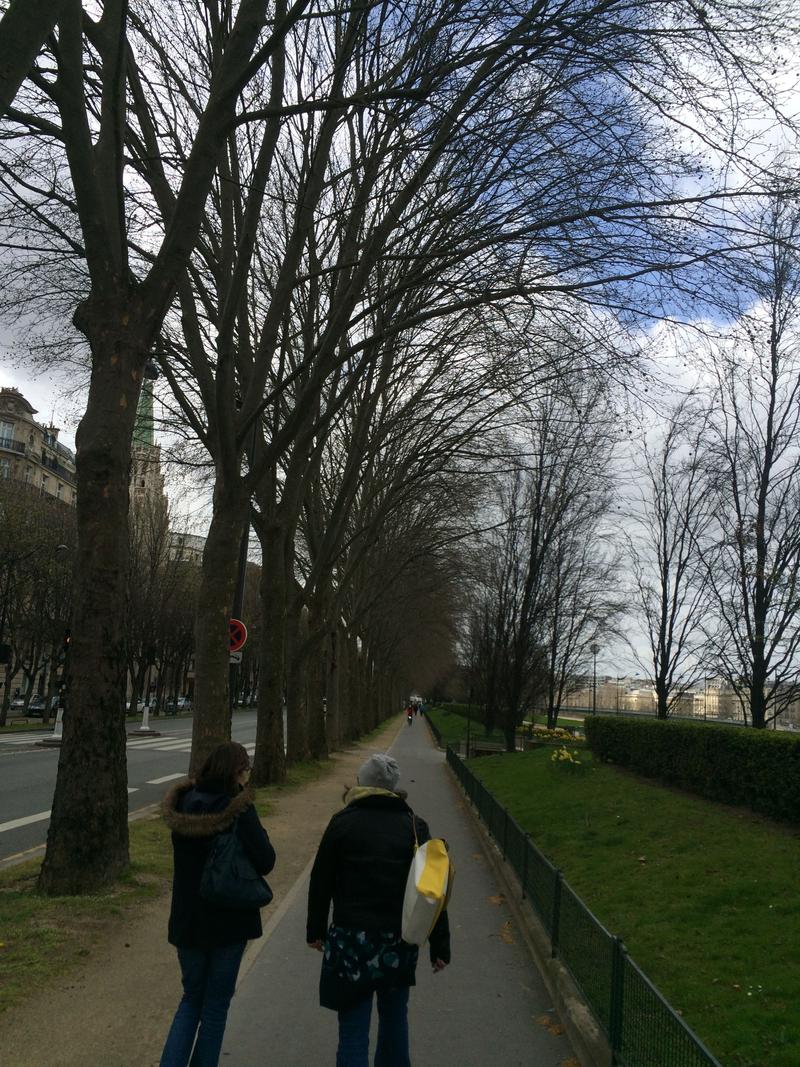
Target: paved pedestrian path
x,y
488,1008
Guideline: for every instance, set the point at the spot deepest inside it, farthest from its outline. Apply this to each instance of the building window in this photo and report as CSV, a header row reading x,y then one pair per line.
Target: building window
x,y
44,482
5,468
28,474
60,490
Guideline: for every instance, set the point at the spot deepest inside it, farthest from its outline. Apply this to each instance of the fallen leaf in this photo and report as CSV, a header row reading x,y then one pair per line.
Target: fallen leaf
x,y
556,1029
544,1020
497,899
571,1062
505,934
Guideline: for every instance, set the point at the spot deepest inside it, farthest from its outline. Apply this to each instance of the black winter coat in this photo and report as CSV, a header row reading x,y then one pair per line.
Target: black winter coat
x,y
194,818
362,867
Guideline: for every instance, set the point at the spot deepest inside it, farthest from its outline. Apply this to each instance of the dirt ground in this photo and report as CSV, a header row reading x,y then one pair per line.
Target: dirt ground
x,y
115,1010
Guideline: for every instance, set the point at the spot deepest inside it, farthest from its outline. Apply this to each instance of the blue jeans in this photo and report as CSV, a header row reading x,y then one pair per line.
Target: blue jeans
x,y
209,981
392,1047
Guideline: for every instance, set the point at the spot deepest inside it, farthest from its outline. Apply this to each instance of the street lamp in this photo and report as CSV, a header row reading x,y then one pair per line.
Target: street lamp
x,y
594,649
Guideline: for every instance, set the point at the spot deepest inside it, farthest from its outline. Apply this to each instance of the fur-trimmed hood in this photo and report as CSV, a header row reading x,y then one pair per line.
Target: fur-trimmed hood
x,y
201,823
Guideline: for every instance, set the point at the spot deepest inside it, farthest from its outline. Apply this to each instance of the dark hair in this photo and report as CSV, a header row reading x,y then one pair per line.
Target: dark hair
x,y
220,771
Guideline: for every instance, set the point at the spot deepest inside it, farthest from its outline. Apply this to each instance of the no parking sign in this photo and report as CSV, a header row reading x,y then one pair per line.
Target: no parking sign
x,y
238,635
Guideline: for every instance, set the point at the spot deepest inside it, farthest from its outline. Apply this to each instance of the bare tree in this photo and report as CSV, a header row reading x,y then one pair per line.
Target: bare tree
x,y
752,552
75,106
37,540
673,515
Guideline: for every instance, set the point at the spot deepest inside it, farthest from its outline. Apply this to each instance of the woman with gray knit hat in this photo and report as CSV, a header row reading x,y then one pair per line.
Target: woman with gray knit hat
x,y
361,868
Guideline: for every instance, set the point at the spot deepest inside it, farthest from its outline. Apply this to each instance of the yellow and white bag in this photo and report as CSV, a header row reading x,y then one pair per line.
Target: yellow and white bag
x,y
430,881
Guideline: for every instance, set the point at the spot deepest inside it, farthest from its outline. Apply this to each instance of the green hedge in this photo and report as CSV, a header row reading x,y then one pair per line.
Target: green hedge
x,y
735,765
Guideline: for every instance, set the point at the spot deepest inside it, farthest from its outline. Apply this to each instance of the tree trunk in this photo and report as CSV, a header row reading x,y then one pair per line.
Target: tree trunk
x,y
343,687
269,764
87,843
315,655
333,725
662,700
297,747
212,711
758,705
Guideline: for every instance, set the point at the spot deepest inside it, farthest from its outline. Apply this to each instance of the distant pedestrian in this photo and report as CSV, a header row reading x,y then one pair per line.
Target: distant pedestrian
x,y
409,717
210,940
361,868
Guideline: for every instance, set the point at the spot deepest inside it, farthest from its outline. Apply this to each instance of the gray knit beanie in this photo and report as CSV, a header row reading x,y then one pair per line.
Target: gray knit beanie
x,y
379,771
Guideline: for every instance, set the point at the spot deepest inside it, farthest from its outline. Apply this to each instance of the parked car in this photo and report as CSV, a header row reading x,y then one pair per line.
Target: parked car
x,y
181,704
18,702
37,706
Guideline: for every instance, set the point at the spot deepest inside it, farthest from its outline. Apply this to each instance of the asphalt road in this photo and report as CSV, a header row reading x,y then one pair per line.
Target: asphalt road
x,y
28,775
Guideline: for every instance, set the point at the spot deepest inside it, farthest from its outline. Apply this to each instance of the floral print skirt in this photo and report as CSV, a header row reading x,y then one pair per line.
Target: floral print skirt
x,y
357,962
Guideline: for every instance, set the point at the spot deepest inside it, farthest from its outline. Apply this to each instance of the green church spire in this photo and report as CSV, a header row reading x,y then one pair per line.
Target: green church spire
x,y
143,434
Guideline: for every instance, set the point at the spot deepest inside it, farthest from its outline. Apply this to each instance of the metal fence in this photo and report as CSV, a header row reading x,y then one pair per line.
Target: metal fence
x,y
642,1029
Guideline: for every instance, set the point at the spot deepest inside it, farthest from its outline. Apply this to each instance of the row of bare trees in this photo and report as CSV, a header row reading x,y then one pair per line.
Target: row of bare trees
x,y
716,556
547,584
37,543
331,225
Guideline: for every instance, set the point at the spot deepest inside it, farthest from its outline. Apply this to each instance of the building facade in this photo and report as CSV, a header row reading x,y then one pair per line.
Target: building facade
x,y
31,452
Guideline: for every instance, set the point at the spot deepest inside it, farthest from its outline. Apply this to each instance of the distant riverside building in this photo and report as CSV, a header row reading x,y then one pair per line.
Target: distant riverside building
x,y
31,453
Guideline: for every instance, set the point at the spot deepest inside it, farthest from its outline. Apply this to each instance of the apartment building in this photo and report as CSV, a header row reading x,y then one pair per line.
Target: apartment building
x,y
30,452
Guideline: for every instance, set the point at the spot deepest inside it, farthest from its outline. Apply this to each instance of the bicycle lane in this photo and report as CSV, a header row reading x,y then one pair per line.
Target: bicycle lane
x,y
489,1006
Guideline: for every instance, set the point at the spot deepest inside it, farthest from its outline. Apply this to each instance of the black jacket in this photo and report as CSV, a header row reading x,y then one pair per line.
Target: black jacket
x,y
362,867
194,818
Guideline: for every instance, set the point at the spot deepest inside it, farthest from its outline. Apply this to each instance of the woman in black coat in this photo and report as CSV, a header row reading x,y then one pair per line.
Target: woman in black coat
x,y
361,868
210,940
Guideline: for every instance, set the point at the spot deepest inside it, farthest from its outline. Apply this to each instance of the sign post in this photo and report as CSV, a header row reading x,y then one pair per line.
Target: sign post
x,y
237,638
238,635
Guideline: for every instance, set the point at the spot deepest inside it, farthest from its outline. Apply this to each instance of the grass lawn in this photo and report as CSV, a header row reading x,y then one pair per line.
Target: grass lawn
x,y
453,726
41,937
705,897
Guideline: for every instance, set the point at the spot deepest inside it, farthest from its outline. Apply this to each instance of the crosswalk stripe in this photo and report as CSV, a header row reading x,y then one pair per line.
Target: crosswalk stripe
x,y
156,742
166,778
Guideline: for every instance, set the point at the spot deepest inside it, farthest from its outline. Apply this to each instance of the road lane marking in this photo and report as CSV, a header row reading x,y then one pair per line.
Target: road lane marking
x,y
25,821
133,790
166,778
157,742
